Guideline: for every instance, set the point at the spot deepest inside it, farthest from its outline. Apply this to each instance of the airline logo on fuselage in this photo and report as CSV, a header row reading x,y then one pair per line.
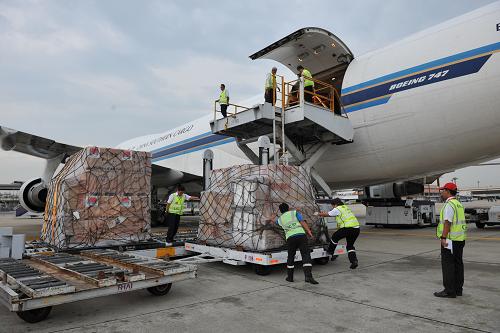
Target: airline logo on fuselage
x,y
163,138
383,91
421,79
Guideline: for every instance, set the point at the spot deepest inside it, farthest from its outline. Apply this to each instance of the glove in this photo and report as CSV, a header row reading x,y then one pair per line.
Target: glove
x,y
316,213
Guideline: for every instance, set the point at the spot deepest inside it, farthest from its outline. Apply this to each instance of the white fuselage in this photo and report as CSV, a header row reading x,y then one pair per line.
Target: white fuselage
x,y
426,105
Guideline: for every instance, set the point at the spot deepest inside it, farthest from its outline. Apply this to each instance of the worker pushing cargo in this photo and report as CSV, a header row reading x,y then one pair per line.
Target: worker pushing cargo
x,y
175,209
348,228
295,228
452,232
308,83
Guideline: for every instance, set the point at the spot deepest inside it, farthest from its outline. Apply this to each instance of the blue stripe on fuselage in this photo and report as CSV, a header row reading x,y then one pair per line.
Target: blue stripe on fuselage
x,y
435,75
188,145
431,64
357,100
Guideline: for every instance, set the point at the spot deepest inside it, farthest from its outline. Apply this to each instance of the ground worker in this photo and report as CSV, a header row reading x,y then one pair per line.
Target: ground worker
x,y
348,228
223,100
295,232
270,87
452,232
308,83
175,209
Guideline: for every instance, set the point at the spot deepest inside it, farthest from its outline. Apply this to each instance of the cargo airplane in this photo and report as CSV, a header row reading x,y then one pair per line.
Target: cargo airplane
x,y
421,107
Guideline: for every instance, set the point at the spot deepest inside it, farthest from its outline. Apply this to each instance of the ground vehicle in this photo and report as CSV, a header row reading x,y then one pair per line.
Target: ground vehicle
x,y
262,261
31,286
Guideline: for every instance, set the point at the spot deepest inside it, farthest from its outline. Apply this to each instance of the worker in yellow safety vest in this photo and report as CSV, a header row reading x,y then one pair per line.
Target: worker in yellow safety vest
x,y
223,100
295,228
347,227
308,83
175,209
451,231
270,87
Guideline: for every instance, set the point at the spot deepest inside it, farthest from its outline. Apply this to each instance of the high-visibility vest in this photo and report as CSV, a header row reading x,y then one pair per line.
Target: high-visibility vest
x,y
346,219
270,81
177,205
223,97
458,226
306,74
289,222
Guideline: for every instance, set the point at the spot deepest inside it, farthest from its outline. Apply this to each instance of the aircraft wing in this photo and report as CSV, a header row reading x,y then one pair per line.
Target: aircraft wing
x,y
11,139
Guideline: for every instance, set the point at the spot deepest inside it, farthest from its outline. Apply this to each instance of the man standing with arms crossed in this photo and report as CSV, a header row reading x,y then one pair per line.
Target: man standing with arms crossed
x,y
451,231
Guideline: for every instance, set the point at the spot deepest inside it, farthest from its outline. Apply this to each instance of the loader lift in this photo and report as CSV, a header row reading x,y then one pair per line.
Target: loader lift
x,y
300,132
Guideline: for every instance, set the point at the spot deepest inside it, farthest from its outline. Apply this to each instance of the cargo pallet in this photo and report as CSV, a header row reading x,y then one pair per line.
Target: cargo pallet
x,y
31,286
262,261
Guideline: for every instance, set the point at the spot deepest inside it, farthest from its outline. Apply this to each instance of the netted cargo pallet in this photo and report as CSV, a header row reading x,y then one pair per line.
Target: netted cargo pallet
x,y
101,197
240,208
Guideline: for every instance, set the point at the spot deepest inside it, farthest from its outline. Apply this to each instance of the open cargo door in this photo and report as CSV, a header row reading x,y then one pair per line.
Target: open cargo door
x,y
318,50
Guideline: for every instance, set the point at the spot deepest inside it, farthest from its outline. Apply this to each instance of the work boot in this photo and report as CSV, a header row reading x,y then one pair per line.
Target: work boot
x,y
289,274
330,248
353,259
308,274
444,294
334,257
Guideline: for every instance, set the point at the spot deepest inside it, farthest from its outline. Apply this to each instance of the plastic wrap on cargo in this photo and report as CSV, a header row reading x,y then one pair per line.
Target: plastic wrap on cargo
x,y
101,197
240,208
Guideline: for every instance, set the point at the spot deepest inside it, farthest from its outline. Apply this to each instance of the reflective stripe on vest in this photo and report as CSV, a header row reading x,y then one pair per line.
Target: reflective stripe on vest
x,y
177,205
270,81
458,226
306,74
289,222
346,219
223,97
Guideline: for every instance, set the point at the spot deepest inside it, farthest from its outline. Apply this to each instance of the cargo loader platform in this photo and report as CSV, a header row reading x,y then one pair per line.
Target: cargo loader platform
x,y
262,261
309,121
301,124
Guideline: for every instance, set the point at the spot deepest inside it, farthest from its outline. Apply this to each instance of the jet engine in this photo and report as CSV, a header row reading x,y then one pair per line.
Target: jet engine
x,y
33,195
393,190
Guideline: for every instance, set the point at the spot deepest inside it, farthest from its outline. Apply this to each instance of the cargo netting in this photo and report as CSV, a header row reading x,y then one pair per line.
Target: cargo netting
x,y
240,208
101,197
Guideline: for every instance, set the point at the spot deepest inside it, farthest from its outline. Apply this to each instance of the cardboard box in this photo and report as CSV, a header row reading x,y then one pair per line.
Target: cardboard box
x,y
254,193
100,197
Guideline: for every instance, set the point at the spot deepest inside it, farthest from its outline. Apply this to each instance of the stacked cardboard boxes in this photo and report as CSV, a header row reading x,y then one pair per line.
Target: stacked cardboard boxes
x,y
100,197
240,208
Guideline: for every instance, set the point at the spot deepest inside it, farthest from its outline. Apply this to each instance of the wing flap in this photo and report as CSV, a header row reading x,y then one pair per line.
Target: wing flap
x,y
30,144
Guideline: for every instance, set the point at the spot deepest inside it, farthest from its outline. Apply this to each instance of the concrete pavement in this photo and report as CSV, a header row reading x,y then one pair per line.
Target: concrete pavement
x,y
390,291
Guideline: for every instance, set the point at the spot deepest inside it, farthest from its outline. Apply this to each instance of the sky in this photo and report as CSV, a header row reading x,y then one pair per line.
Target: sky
x,y
101,72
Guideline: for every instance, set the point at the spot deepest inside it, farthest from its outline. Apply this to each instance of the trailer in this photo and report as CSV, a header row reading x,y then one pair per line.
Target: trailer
x,y
483,216
262,261
33,285
400,212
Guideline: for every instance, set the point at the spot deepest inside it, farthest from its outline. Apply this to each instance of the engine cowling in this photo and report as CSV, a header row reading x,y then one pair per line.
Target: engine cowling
x,y
393,190
33,195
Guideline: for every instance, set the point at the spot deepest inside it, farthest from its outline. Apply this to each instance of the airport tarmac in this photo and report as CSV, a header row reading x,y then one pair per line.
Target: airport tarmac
x,y
391,291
